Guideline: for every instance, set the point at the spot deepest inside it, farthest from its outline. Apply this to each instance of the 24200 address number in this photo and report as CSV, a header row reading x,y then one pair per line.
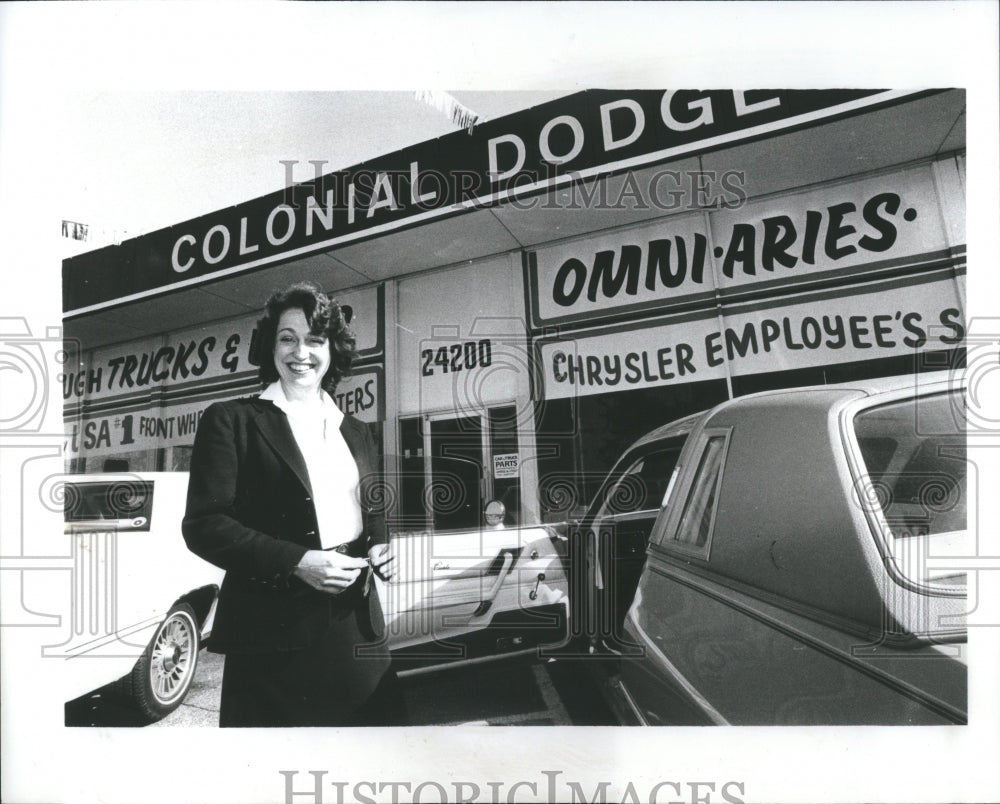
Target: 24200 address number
x,y
457,357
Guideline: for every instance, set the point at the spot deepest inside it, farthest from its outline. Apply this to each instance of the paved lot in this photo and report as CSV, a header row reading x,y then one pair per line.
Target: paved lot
x,y
511,692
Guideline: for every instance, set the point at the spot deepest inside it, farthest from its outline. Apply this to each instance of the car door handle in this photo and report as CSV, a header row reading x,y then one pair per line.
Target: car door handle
x,y
507,559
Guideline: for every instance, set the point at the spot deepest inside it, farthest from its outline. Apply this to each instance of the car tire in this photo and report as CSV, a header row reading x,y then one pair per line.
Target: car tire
x,y
161,678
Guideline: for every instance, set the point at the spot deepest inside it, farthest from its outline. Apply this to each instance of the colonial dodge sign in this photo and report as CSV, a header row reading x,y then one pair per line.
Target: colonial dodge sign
x,y
579,136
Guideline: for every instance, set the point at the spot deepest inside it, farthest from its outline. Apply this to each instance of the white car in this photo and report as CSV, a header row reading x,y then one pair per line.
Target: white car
x,y
138,605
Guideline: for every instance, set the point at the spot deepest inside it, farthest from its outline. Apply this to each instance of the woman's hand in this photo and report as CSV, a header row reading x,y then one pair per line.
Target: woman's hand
x,y
329,571
382,561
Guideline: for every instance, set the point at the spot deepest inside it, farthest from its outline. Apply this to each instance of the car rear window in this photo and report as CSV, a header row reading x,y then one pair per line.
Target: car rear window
x,y
118,503
915,456
699,508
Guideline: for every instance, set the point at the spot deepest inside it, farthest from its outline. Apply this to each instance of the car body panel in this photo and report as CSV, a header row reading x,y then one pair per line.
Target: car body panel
x,y
717,656
789,604
125,574
452,583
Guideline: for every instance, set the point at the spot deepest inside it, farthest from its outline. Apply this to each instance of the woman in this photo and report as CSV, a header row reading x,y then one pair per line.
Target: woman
x,y
276,498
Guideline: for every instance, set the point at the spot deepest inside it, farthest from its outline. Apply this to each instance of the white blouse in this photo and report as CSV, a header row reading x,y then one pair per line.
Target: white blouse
x,y
333,472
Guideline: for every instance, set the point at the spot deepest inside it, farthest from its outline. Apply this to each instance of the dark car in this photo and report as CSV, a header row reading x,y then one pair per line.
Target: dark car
x,y
788,558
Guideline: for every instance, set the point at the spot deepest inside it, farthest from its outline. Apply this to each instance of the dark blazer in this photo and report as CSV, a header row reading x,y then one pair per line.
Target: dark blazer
x,y
250,511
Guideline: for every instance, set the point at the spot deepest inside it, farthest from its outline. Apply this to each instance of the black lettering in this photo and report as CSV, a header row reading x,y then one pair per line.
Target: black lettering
x,y
103,435
576,369
576,270
712,348
114,364
952,319
89,435
770,331
813,221
684,354
611,282
658,264
834,327
698,260
837,229
736,345
186,424
557,358
441,358
93,380
779,235
612,369
632,372
663,360
204,348
594,370
741,250
911,323
180,360
786,325
885,227
646,372
858,331
812,335
164,352
229,359
369,394
127,369
882,331
145,370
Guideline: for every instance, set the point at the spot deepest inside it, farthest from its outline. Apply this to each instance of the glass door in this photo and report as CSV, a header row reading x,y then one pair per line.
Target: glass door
x,y
457,485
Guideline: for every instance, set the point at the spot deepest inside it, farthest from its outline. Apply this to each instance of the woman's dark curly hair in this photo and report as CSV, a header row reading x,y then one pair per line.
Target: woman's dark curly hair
x,y
324,317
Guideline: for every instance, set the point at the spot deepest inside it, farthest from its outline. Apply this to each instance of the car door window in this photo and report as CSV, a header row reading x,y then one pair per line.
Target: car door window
x,y
644,483
699,507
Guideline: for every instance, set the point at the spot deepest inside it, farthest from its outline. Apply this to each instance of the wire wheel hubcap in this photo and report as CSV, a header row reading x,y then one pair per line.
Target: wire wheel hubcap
x,y
173,651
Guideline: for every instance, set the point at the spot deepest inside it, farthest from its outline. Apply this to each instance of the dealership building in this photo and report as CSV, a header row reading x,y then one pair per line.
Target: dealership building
x,y
533,294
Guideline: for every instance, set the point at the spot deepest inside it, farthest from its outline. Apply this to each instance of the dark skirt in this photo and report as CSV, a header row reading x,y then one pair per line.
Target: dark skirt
x,y
332,683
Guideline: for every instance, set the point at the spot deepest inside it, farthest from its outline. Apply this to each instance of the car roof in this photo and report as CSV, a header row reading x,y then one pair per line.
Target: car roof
x,y
874,386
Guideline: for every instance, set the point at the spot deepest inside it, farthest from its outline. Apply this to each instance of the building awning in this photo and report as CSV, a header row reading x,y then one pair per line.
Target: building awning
x,y
588,162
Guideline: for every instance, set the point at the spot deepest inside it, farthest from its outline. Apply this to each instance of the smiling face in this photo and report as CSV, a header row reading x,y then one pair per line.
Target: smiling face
x,y
300,357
